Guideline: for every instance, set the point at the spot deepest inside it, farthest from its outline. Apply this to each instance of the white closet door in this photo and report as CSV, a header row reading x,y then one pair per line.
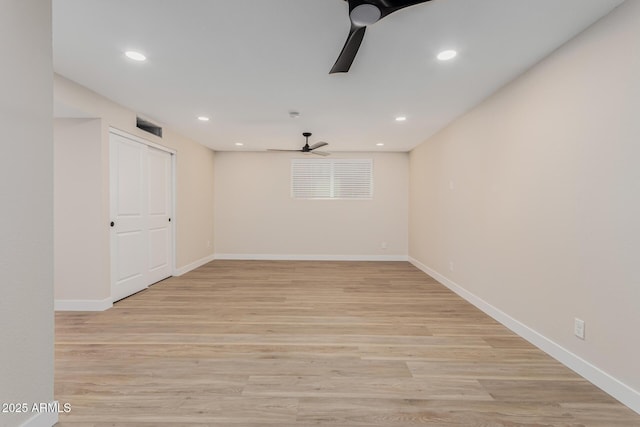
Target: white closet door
x,y
141,232
159,208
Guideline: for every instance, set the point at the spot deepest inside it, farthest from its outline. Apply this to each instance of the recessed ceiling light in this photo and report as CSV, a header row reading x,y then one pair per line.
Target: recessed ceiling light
x,y
136,56
446,55
380,144
203,118
401,119
239,144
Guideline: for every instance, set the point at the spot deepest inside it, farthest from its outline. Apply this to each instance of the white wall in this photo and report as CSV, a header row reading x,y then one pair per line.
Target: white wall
x,y
87,141
255,215
534,196
26,217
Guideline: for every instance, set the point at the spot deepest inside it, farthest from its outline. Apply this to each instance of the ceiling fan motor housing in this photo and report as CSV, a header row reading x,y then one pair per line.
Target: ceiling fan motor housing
x,y
306,147
365,14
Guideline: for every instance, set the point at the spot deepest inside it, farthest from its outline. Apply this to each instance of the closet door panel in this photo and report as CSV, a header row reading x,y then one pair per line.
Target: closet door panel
x,y
160,226
129,218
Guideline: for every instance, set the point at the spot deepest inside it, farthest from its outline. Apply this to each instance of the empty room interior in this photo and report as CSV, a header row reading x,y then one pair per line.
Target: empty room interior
x,y
223,213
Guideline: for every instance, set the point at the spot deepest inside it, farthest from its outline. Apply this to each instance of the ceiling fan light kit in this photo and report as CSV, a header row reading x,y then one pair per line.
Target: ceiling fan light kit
x,y
363,13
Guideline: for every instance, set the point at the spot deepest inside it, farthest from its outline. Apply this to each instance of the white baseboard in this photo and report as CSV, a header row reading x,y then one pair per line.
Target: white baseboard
x,y
83,304
597,376
42,419
289,257
187,268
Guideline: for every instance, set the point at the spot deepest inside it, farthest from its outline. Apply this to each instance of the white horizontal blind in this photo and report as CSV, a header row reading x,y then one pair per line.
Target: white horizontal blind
x,y
310,179
332,178
352,179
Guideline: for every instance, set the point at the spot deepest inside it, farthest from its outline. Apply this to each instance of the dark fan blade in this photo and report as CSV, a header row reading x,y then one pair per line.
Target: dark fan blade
x,y
388,7
349,51
318,145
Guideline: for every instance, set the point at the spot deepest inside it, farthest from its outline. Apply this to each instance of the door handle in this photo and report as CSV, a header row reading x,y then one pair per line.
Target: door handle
x,y
112,223
169,219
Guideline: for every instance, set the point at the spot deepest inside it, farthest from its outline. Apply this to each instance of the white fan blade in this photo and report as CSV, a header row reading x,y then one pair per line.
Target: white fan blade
x,y
320,153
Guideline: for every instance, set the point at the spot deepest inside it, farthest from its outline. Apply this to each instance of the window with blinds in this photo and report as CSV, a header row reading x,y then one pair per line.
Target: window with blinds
x,y
332,178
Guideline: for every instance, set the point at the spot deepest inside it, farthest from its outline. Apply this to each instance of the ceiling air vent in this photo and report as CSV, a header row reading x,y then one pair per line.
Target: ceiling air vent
x,y
147,126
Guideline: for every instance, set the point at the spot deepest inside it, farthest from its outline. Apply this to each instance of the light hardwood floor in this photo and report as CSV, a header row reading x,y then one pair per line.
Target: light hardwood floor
x,y
277,343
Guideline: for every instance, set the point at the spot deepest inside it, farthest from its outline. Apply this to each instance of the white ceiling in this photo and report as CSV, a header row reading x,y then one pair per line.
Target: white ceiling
x,y
248,63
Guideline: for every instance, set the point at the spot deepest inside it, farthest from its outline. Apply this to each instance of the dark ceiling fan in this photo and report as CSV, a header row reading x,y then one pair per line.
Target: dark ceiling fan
x,y
363,13
309,148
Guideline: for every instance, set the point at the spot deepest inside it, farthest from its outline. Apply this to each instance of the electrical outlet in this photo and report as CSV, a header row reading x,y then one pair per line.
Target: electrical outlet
x,y
383,245
208,243
450,265
578,328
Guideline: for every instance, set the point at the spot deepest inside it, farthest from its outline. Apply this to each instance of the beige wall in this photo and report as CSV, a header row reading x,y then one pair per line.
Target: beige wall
x,y
78,210
534,197
26,217
194,190
255,214
194,205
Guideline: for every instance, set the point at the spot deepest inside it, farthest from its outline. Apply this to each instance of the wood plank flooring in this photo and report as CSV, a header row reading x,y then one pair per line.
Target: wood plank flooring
x,y
278,343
